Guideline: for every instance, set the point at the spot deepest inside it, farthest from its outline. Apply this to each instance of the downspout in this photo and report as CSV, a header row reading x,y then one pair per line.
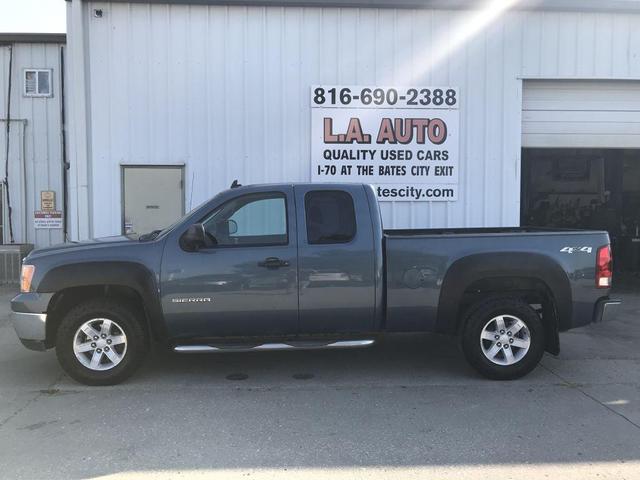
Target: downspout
x,y
65,162
8,135
23,161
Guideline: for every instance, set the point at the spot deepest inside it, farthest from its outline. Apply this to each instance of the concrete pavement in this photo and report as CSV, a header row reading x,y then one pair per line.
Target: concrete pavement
x,y
407,408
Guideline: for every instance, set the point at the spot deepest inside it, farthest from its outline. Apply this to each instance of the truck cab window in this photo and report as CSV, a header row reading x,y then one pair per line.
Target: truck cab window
x,y
330,217
250,220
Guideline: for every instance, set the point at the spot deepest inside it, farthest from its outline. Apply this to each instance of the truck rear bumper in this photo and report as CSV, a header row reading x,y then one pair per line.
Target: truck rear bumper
x,y
606,309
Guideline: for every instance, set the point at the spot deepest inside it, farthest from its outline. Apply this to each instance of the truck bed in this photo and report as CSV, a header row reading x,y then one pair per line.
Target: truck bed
x,y
428,271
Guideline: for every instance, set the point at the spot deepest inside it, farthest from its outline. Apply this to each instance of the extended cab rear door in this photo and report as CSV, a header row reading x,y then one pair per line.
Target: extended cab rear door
x,y
335,259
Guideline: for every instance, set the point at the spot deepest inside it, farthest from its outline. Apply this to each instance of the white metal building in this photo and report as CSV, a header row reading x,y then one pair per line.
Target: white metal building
x,y
221,90
169,101
31,106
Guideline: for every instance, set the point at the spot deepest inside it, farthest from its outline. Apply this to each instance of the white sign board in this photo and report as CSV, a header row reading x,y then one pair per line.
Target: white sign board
x,y
47,219
403,140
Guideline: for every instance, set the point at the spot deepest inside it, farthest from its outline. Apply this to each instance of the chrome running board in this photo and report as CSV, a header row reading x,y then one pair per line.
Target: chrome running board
x,y
299,345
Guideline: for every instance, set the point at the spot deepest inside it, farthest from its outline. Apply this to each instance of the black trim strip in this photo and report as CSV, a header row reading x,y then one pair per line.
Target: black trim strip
x,y
33,38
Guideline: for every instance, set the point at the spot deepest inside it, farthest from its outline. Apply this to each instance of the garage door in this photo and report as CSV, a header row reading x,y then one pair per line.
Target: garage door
x,y
581,114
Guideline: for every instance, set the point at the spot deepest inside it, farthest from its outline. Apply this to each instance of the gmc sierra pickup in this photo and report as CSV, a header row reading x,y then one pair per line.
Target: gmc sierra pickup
x,y
307,266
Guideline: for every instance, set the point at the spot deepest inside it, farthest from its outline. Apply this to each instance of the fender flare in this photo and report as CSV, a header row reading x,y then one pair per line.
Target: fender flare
x,y
467,270
132,275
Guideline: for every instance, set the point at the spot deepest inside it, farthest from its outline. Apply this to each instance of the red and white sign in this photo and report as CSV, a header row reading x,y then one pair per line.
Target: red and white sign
x,y
404,141
47,219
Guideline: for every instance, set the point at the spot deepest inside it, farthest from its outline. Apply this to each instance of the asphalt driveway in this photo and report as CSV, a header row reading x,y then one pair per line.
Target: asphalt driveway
x,y
406,408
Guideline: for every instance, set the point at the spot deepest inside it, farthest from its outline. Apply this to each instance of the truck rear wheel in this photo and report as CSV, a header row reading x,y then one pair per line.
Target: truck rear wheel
x,y
503,338
100,342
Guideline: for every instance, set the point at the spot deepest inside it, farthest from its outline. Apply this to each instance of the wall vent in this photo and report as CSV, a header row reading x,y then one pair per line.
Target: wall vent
x,y
11,262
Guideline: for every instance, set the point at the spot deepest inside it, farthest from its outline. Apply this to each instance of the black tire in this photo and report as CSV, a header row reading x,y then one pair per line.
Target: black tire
x,y
137,342
483,312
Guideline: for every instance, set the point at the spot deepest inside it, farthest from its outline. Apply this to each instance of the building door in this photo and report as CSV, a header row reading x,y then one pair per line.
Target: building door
x,y
153,197
581,161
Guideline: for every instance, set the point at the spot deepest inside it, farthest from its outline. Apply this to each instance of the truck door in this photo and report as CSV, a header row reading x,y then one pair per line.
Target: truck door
x,y
335,259
246,282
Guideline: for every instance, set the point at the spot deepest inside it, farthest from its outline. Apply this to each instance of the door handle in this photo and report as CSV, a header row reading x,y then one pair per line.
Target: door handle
x,y
273,262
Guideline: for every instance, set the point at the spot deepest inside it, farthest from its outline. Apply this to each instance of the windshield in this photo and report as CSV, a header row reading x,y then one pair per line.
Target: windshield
x,y
152,235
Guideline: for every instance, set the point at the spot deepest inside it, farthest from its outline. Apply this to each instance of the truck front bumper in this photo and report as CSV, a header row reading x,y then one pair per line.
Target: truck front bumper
x,y
606,309
31,329
30,320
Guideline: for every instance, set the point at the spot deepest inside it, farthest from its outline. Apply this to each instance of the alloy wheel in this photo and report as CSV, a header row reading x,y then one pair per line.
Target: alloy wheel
x,y
100,344
505,340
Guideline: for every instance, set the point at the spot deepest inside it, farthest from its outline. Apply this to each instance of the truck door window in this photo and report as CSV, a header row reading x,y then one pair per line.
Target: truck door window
x,y
251,220
330,217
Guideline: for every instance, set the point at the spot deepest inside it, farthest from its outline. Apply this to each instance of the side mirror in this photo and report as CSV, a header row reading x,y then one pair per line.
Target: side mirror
x,y
232,226
194,238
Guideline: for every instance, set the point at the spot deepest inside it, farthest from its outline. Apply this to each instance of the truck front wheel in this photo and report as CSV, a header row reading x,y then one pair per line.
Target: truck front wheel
x,y
100,342
503,338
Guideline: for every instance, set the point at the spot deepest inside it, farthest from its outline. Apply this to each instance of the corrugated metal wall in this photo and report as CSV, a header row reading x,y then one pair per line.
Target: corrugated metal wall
x,y
35,158
225,90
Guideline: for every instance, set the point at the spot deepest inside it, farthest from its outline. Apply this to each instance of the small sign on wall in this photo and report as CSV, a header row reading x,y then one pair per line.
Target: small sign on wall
x,y
46,219
47,200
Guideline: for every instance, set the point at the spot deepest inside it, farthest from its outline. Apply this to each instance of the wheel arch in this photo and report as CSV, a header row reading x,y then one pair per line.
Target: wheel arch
x,y
75,283
536,278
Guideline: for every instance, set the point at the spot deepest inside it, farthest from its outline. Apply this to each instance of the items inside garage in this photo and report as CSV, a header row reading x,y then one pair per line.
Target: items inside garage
x,y
586,188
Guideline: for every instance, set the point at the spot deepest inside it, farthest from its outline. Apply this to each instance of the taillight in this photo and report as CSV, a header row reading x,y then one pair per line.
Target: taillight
x,y
604,267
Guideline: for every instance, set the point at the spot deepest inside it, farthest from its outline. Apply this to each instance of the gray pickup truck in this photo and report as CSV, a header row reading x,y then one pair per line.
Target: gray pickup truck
x,y
307,266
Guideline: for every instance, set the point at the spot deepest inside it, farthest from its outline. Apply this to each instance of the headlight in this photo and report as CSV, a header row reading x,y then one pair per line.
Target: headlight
x,y
26,275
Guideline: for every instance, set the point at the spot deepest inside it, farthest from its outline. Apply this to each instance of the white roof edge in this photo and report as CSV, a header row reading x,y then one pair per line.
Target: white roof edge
x,y
631,6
